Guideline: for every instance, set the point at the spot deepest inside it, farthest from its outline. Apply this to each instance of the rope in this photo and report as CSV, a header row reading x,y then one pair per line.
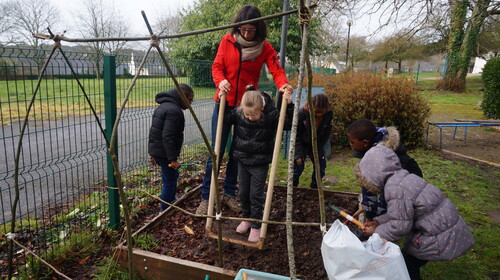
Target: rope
x,y
217,217
305,15
154,42
11,237
323,229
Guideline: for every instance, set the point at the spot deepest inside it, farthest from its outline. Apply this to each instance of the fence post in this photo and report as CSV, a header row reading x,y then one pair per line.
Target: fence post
x,y
418,72
110,116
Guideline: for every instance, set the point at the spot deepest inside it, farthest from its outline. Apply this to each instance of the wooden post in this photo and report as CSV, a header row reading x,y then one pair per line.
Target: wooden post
x,y
274,166
215,165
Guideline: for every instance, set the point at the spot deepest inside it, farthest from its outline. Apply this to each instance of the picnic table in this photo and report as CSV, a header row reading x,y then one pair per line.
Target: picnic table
x,y
464,123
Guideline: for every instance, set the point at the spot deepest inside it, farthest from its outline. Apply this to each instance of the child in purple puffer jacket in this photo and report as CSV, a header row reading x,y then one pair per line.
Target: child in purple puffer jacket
x,y
416,209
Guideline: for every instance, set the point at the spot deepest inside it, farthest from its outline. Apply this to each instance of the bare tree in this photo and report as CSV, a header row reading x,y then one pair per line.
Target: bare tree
x,y
330,36
168,25
359,50
23,18
464,19
4,19
398,48
98,20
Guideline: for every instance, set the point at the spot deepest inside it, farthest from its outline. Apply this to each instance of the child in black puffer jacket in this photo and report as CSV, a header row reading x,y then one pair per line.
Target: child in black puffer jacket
x,y
166,136
255,125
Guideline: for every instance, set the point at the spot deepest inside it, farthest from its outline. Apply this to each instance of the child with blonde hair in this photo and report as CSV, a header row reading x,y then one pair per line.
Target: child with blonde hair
x,y
255,125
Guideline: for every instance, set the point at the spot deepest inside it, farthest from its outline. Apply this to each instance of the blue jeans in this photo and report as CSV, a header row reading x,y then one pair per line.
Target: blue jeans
x,y
298,169
232,166
169,176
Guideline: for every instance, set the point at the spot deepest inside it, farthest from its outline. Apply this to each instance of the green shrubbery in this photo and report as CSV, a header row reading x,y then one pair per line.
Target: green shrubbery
x,y
387,102
491,80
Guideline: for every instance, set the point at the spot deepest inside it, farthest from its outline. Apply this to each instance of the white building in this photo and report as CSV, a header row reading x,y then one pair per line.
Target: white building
x,y
132,68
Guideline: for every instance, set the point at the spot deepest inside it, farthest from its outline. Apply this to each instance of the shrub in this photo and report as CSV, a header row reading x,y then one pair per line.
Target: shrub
x,y
453,84
200,74
491,80
387,102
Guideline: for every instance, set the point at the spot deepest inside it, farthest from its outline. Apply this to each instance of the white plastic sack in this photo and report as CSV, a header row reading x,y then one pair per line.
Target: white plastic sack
x,y
346,257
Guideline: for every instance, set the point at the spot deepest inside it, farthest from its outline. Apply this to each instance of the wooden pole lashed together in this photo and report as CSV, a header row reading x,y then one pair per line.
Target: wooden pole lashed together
x,y
274,166
215,164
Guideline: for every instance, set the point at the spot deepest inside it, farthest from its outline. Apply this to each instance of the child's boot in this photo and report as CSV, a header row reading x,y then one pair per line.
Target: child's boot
x,y
254,235
243,227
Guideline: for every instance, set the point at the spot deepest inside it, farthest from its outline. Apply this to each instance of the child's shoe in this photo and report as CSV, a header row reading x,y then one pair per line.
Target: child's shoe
x,y
254,235
243,227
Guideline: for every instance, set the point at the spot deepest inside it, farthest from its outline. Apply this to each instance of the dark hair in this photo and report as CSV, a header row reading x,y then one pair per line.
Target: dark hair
x,y
321,101
188,91
363,129
248,12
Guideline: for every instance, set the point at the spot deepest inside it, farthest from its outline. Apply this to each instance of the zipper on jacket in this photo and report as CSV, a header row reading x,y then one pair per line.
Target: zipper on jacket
x,y
238,46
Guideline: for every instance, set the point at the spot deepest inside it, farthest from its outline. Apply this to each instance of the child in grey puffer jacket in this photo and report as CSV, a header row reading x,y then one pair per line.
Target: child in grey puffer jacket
x,y
416,209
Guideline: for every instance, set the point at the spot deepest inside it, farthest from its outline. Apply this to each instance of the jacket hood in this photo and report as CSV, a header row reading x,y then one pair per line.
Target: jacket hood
x,y
391,140
269,106
378,165
169,96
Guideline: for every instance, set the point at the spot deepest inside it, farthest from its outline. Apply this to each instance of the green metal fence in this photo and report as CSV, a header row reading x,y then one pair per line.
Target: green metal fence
x,y
63,162
63,170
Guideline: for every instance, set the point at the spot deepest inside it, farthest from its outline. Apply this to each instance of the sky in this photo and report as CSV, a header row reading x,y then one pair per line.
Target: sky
x,y
130,9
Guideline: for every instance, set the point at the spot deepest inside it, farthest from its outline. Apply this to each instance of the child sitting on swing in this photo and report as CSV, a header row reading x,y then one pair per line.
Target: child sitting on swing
x,y
255,125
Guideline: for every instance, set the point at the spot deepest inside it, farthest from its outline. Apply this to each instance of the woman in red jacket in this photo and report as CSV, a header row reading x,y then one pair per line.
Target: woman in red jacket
x,y
238,64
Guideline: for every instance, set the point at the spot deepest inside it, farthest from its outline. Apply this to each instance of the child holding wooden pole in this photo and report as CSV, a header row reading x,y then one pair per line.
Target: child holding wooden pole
x,y
255,125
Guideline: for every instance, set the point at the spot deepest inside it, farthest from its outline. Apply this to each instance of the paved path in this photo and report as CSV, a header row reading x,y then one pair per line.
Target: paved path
x,y
63,158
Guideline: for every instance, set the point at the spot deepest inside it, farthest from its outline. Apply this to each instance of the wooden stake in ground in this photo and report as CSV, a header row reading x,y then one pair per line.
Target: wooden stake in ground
x,y
274,166
215,165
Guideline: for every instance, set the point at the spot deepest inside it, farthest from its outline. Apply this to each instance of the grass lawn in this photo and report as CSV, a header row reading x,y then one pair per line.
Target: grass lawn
x,y
59,98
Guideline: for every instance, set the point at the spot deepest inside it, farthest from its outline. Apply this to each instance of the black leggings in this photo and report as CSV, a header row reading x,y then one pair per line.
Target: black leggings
x,y
413,265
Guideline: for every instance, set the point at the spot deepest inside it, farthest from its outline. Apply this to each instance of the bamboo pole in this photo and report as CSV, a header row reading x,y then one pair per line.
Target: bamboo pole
x,y
215,164
274,166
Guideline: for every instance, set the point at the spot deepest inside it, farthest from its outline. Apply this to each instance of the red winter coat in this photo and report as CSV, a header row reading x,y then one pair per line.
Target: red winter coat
x,y
228,66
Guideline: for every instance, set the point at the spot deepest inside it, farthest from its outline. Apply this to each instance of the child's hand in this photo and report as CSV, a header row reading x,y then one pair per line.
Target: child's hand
x,y
288,96
285,88
369,227
299,161
152,160
174,164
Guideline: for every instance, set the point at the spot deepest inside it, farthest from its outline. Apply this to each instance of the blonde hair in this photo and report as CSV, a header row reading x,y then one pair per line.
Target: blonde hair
x,y
252,100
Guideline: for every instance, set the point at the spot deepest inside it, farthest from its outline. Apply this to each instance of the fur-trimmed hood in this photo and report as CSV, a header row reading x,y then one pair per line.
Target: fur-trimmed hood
x,y
391,140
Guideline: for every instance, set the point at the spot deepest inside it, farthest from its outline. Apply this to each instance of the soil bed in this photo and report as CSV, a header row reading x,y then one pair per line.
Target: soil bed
x,y
174,241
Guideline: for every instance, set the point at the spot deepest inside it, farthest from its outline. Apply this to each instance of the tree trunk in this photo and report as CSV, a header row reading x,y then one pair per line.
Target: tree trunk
x,y
469,45
463,41
458,19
